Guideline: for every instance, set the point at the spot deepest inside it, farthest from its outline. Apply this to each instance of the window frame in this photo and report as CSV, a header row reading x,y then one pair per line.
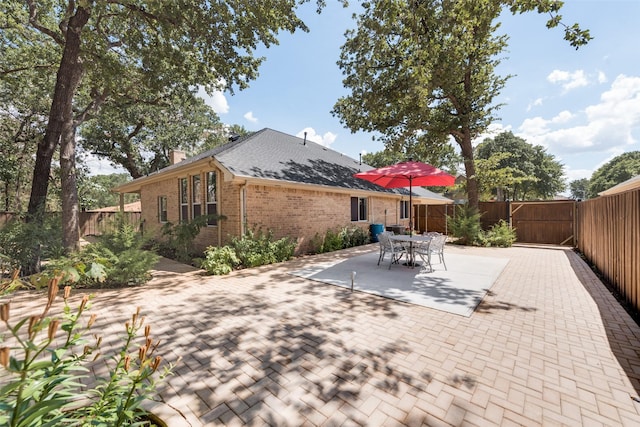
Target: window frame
x,y
183,199
211,198
163,216
404,209
359,209
196,196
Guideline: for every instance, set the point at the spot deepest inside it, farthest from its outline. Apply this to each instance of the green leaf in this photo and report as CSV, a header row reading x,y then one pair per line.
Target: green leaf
x,y
71,274
48,410
97,272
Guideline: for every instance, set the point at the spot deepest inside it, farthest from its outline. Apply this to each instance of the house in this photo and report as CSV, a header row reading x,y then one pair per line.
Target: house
x,y
271,181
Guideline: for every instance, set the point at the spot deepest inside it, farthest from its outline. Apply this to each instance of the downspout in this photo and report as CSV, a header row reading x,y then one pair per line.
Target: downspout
x,y
243,208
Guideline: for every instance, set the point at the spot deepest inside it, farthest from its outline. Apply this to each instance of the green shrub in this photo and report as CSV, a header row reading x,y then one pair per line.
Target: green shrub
x,y
347,237
45,363
465,225
177,242
499,235
219,260
27,244
256,248
81,269
354,236
332,242
117,259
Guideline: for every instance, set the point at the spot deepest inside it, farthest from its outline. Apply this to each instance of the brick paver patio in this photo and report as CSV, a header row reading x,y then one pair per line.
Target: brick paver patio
x,y
548,346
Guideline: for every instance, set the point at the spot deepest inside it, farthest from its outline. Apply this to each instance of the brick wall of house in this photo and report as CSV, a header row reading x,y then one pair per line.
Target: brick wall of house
x,y
301,214
149,195
293,212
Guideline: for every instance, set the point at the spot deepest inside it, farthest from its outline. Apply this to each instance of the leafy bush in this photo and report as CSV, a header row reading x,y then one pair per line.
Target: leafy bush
x,y
256,248
82,269
26,244
178,238
117,259
465,225
332,242
46,360
499,235
354,236
347,237
219,260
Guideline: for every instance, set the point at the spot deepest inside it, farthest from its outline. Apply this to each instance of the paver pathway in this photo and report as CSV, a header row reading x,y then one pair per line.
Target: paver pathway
x,y
548,346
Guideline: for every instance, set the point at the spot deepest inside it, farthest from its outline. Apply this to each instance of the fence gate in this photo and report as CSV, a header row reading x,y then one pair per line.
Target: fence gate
x,y
550,222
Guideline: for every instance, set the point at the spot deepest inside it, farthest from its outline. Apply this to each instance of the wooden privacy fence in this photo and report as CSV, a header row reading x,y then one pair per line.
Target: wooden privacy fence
x,y
547,222
97,223
432,217
608,231
92,223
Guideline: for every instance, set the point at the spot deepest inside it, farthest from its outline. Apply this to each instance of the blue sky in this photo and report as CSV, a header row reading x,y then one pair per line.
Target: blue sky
x,y
583,106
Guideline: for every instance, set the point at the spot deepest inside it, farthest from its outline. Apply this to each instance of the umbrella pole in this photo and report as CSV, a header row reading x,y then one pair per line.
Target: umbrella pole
x,y
410,208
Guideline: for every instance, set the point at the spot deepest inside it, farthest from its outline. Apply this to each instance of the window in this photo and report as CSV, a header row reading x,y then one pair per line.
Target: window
x,y
359,209
162,209
184,200
196,196
211,198
404,209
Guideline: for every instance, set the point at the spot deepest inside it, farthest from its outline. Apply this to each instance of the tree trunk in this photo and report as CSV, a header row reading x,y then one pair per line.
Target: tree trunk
x,y
60,117
70,216
67,81
472,182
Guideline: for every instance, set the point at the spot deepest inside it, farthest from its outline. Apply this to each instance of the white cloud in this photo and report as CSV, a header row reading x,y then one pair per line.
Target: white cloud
x,y
602,77
217,100
604,127
562,117
568,80
327,139
536,103
574,174
493,130
249,117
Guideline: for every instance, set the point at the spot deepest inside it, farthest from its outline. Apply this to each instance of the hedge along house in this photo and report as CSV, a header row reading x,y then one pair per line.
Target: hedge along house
x,y
269,180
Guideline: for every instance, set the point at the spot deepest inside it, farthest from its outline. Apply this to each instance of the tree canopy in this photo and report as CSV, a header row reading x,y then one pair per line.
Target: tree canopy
x,y
139,136
420,73
617,170
533,173
124,50
579,188
95,190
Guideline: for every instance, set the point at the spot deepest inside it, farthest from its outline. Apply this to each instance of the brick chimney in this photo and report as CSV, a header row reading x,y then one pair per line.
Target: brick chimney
x,y
176,156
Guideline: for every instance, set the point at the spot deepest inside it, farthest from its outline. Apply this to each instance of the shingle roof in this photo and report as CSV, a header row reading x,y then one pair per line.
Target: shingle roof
x,y
270,154
275,155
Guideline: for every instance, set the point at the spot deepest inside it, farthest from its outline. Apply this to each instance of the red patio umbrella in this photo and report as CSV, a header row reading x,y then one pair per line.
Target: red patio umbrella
x,y
407,174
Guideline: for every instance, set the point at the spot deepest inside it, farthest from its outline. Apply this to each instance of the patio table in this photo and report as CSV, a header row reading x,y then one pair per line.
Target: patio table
x,y
419,239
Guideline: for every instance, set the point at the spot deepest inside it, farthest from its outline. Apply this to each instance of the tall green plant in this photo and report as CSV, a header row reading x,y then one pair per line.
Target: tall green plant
x,y
500,235
28,244
465,224
116,259
44,364
179,238
346,237
219,260
257,248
